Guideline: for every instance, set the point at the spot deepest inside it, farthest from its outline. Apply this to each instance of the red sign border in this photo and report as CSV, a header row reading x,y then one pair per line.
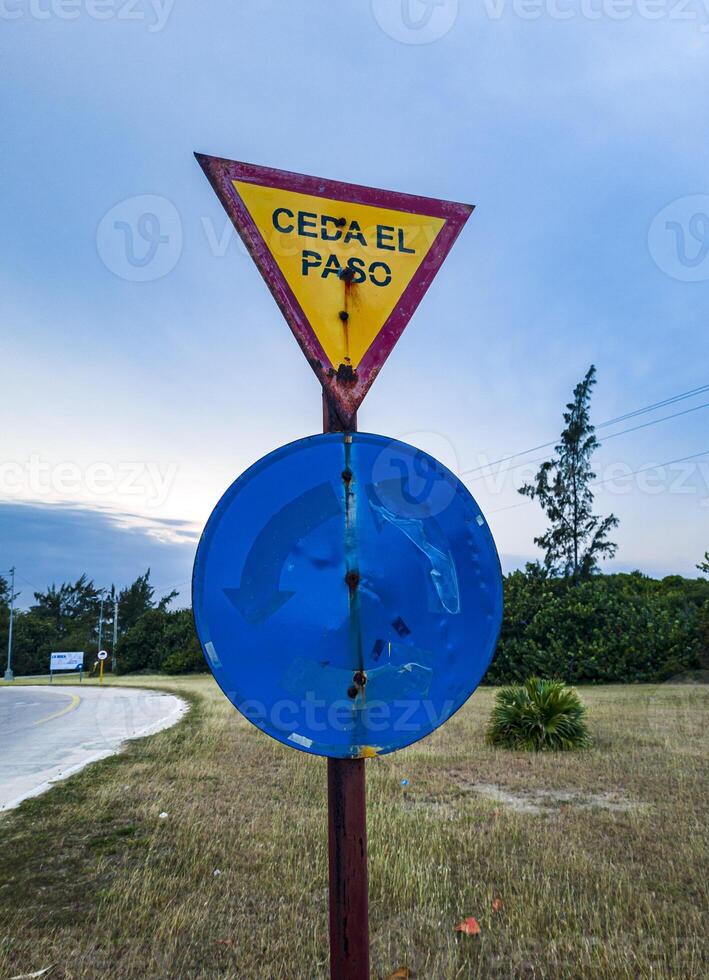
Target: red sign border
x,y
346,395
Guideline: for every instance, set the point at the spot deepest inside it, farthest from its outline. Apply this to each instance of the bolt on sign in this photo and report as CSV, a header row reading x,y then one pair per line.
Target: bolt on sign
x,y
347,591
347,265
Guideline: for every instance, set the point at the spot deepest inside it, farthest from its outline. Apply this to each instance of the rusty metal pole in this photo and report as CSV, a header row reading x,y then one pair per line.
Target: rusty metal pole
x,y
347,838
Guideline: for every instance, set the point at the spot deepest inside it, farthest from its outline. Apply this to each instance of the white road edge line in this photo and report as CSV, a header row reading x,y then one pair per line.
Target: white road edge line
x,y
178,712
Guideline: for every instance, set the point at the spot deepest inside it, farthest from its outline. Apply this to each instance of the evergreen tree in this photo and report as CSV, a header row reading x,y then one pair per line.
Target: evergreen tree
x,y
137,599
70,608
576,537
703,566
134,600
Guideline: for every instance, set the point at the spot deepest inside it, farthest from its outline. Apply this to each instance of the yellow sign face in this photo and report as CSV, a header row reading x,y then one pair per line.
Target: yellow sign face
x,y
347,264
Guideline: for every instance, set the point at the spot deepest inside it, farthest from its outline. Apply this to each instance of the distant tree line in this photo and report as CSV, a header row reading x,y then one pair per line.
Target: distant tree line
x,y
624,628
601,629
66,617
563,618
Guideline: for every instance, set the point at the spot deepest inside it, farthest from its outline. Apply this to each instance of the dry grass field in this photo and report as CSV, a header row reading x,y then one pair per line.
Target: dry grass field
x,y
598,859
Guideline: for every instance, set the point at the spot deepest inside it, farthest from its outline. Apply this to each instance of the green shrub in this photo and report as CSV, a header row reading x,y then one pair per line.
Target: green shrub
x,y
189,661
161,641
540,716
609,629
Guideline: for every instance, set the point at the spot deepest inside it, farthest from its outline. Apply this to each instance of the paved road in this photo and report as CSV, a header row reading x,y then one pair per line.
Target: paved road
x,y
47,734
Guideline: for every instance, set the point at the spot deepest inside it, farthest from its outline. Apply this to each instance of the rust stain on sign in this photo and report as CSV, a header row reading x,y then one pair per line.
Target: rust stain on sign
x,y
348,265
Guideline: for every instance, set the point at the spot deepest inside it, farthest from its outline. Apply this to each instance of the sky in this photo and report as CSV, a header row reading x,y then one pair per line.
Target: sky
x,y
144,365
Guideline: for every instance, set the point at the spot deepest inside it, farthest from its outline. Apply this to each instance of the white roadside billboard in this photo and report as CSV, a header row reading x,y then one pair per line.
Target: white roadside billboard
x,y
66,661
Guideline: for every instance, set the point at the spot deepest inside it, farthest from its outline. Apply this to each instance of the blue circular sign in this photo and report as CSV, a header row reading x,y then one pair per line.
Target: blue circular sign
x,y
347,594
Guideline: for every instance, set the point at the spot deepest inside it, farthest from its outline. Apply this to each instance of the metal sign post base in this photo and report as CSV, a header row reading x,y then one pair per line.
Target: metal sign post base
x,y
347,847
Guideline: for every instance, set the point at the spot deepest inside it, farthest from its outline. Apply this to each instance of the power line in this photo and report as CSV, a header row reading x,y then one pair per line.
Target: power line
x,y
620,418
646,469
667,401
27,582
613,435
664,418
167,589
624,476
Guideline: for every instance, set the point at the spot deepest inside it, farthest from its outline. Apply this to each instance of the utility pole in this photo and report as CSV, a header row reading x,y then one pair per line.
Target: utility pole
x,y
100,622
9,676
115,631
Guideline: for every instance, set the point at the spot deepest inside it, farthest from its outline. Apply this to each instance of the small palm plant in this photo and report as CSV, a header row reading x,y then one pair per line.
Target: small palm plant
x,y
540,716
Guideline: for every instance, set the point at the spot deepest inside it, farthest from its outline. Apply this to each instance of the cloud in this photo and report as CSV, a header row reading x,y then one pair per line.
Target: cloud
x,y
56,543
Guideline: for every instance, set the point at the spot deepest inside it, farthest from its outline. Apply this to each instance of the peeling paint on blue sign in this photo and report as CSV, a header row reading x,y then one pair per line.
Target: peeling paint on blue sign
x,y
348,595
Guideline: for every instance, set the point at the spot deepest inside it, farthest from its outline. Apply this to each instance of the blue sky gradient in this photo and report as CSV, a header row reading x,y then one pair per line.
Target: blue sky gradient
x,y
570,135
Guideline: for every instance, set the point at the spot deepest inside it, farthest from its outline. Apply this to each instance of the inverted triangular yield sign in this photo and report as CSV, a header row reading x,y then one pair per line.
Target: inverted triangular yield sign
x,y
347,265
